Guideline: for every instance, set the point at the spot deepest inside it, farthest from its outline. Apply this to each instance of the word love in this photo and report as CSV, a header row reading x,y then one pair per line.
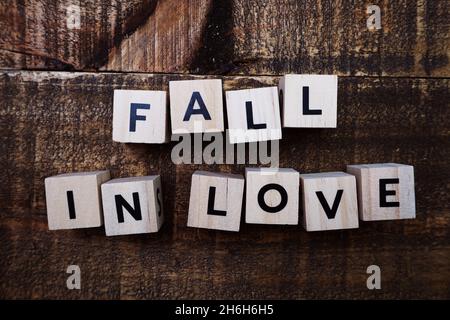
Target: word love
x,y
329,201
197,106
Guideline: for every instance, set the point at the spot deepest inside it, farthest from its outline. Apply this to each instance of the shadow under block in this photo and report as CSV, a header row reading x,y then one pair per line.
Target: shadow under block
x,y
309,101
196,106
253,115
132,205
385,191
216,201
73,200
140,116
329,201
272,196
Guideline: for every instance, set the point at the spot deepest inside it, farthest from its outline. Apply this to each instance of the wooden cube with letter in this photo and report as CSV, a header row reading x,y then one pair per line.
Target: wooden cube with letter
x,y
132,205
140,116
309,101
216,201
329,201
272,196
253,115
196,106
385,191
73,200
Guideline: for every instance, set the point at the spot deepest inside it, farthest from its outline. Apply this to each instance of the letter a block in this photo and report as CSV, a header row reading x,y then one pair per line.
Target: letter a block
x,y
196,106
253,115
216,201
132,205
272,196
309,101
140,116
385,191
329,201
73,200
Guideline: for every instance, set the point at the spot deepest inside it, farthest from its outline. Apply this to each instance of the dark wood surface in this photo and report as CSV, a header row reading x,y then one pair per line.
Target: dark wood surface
x,y
393,106
61,122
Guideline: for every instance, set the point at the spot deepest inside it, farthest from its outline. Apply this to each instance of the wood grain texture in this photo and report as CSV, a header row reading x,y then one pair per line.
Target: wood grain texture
x,y
62,122
229,37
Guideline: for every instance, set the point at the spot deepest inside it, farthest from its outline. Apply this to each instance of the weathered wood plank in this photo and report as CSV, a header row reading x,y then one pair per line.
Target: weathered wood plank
x,y
229,37
61,122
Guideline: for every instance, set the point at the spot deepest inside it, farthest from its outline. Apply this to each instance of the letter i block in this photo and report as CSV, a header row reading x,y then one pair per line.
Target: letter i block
x,y
385,191
216,201
132,205
253,115
309,101
73,200
140,116
196,106
272,196
329,201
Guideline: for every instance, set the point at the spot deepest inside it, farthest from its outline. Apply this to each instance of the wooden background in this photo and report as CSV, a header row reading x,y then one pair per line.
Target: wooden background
x,y
56,116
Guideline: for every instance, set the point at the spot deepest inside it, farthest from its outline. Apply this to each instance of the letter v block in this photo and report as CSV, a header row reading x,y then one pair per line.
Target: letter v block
x,y
216,201
329,201
385,191
140,116
196,106
132,205
272,196
253,115
309,101
73,200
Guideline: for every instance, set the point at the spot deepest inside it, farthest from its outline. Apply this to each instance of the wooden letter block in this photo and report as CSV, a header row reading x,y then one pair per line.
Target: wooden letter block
x,y
73,200
272,196
196,106
132,205
329,201
253,115
309,101
216,201
385,191
140,116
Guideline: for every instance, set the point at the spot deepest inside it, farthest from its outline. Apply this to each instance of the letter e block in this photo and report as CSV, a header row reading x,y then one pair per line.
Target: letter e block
x,y
216,201
329,201
140,116
73,200
132,205
196,106
253,115
272,196
385,191
309,101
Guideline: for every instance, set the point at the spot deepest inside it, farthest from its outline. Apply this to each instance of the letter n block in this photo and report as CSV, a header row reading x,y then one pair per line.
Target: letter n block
x,y
385,191
329,201
216,201
253,115
132,205
196,106
140,116
309,101
73,200
272,196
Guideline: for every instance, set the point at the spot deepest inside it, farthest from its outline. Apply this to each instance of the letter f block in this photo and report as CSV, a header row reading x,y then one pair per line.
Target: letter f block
x,y
140,116
216,201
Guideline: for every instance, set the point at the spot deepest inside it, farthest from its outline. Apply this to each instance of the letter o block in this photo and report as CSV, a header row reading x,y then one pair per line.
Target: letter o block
x,y
272,196
73,200
140,116
132,205
385,191
216,201
196,106
329,201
